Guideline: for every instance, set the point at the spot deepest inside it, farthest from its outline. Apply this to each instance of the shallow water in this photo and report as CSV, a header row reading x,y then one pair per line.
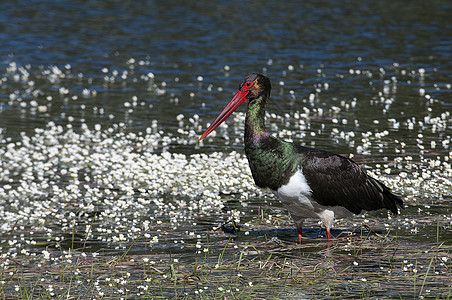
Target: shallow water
x,y
101,107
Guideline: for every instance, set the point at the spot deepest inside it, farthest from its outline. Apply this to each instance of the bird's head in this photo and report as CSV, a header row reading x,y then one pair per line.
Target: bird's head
x,y
252,87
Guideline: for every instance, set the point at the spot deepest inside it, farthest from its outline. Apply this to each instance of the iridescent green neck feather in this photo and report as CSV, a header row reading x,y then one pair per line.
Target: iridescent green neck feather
x,y
255,120
272,161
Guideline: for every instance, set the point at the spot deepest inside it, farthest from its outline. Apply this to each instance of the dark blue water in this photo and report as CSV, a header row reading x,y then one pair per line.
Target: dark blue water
x,y
240,34
180,41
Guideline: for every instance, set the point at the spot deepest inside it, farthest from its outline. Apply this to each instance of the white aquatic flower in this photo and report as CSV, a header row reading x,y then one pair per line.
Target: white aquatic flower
x,y
46,254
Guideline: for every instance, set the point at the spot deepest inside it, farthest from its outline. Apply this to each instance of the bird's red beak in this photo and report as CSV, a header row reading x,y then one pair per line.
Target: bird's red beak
x,y
235,102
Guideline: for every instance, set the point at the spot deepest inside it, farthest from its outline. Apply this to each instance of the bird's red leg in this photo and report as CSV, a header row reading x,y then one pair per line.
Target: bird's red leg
x,y
300,233
328,234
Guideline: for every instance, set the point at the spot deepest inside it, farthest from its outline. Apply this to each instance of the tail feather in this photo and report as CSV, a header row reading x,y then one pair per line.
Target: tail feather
x,y
390,200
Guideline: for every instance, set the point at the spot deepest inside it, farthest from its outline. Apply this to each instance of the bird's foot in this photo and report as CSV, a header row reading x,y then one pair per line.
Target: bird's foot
x,y
300,238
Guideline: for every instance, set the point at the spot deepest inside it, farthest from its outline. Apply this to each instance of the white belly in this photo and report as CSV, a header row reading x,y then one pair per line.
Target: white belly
x,y
296,197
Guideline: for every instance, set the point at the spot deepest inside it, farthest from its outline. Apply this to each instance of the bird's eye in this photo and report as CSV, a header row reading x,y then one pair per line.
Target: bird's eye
x,y
247,85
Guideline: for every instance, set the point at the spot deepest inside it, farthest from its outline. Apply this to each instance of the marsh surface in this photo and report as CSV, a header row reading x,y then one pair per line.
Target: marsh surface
x,y
106,191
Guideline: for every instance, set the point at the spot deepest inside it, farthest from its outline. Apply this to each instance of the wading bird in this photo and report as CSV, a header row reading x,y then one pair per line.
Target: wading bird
x,y
311,183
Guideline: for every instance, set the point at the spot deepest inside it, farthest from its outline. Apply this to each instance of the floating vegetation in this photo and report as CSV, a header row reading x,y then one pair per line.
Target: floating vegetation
x,y
360,266
98,208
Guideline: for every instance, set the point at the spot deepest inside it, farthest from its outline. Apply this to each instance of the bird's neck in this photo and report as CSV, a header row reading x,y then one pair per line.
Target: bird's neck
x,y
255,129
272,161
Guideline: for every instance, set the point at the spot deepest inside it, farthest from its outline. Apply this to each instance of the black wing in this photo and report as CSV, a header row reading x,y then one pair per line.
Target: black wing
x,y
337,180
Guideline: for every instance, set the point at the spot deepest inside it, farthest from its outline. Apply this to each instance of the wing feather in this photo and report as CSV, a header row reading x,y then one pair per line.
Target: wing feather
x,y
338,181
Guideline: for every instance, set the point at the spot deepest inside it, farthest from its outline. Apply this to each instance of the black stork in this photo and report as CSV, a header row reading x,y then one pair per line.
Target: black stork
x,y
311,183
